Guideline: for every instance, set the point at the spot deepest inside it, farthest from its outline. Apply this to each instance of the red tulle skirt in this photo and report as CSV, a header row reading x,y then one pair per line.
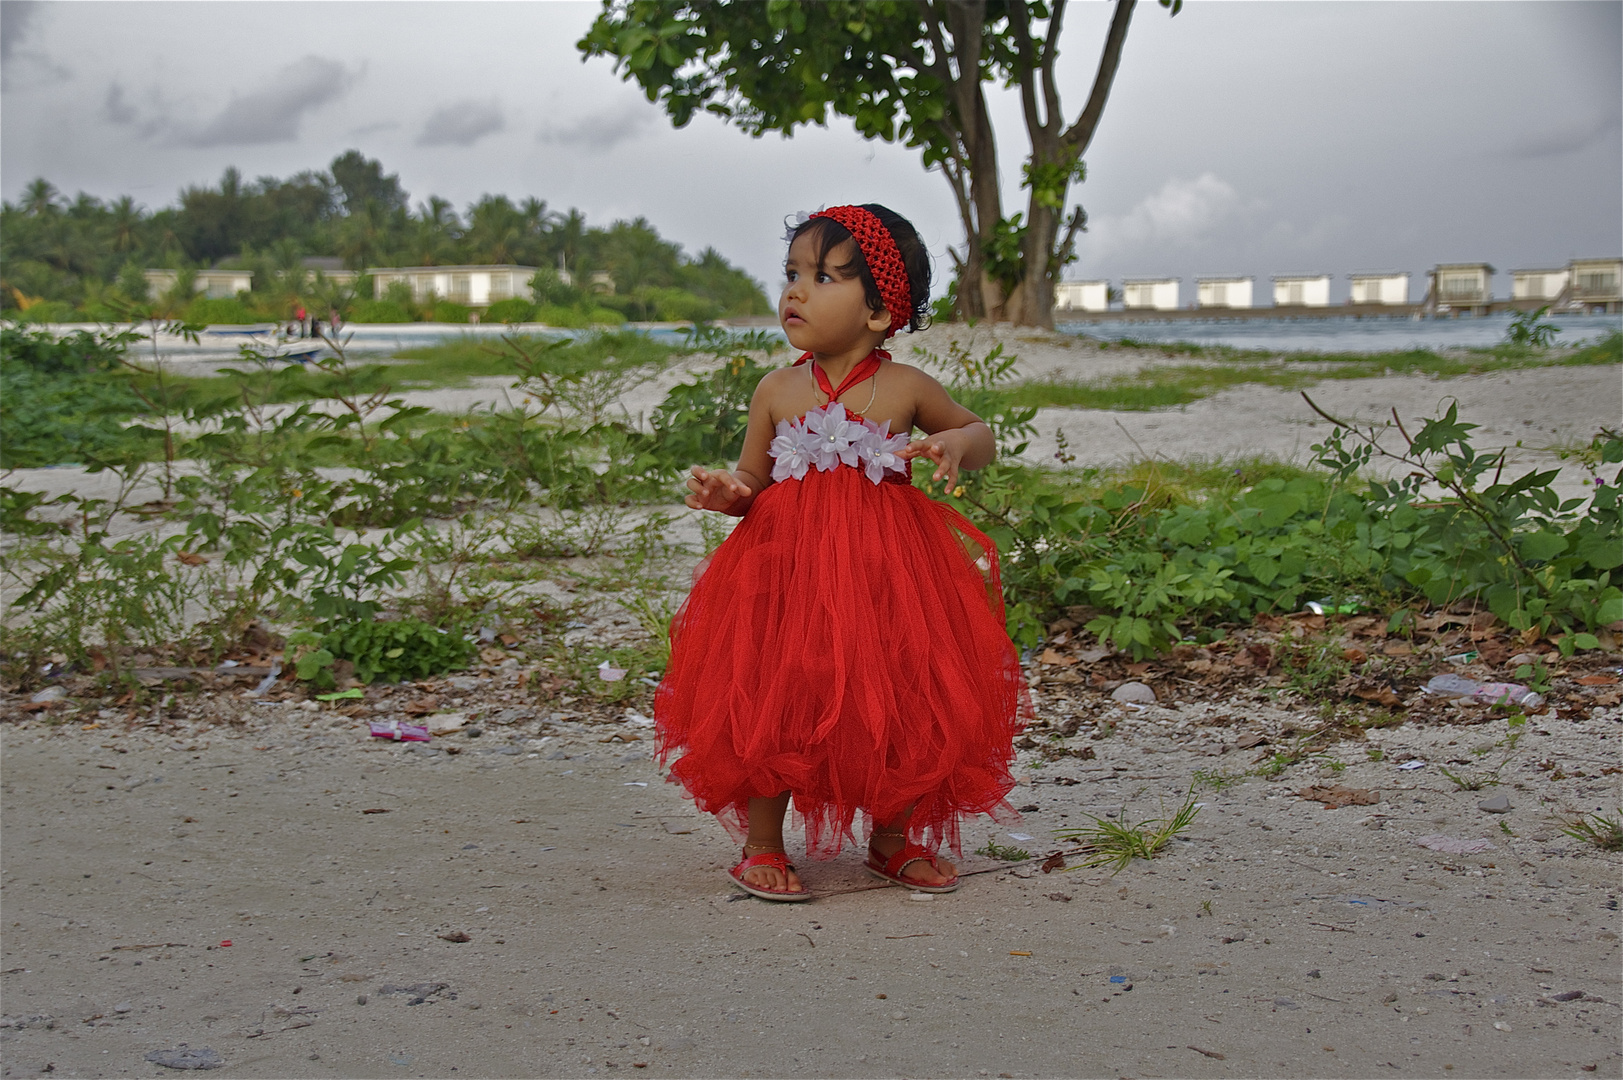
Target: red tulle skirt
x,y
846,644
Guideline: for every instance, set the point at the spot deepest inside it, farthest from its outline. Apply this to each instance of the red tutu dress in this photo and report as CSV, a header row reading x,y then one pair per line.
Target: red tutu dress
x,y
846,643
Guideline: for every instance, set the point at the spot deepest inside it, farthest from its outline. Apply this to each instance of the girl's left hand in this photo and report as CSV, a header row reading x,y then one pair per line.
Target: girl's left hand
x,y
944,449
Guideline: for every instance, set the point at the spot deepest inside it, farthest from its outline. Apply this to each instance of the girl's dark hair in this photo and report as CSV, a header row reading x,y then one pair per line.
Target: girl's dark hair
x,y
826,234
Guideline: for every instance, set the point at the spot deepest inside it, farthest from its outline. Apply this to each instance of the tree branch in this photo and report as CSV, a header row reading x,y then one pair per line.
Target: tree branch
x,y
1080,134
1020,28
1056,115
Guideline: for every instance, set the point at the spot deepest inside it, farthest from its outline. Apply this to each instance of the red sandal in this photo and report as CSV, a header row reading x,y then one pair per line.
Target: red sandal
x,y
779,862
891,869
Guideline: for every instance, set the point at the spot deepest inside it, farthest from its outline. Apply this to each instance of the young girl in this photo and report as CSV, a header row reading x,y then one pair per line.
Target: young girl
x,y
845,646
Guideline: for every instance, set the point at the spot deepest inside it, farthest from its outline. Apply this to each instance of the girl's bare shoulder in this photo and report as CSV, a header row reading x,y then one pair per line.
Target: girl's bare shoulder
x,y
910,374
774,383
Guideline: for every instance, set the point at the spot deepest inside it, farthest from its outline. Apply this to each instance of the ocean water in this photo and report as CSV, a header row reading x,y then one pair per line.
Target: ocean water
x,y
1344,335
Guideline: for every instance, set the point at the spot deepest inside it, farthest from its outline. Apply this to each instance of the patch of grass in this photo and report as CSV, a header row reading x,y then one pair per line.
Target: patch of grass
x,y
1217,779
1476,780
452,363
994,850
1170,387
1604,832
1118,843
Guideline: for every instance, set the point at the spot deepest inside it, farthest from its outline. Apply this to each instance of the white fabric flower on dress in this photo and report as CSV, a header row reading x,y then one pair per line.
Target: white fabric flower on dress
x,y
791,451
882,449
836,436
827,437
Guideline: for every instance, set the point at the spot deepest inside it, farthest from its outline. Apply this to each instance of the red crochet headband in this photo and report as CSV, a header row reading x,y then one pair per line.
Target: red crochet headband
x,y
884,260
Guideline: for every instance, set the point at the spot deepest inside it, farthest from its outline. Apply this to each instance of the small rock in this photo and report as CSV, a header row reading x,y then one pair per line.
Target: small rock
x,y
1523,658
1285,1003
1499,804
898,1016
50,693
922,897
1570,995
1135,692
445,723
122,1007
1500,1025
182,1057
360,999
465,682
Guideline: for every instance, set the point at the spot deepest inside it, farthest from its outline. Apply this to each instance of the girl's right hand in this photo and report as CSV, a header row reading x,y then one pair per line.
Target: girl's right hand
x,y
714,489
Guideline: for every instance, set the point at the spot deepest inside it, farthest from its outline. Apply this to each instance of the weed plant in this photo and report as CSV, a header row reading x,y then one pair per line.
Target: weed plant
x,y
1477,779
1599,830
1117,843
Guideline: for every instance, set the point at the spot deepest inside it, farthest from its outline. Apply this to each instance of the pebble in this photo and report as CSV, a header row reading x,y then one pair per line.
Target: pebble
x,y
1135,692
1499,804
922,897
898,1016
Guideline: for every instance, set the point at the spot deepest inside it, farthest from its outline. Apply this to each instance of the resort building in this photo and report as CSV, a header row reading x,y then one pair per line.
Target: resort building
x,y
330,267
1150,294
1379,288
473,286
1223,292
1460,287
1082,296
1302,290
1538,284
216,284
1596,284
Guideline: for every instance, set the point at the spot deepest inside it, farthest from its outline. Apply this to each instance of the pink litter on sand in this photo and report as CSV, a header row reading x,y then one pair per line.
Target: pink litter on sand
x,y
1453,846
394,729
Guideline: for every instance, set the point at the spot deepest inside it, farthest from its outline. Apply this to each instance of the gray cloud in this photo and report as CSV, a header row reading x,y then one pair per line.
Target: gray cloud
x,y
599,131
461,123
272,114
117,108
1566,138
15,17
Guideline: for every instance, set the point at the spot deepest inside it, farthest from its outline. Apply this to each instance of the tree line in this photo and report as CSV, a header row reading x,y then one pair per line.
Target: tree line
x,y
83,257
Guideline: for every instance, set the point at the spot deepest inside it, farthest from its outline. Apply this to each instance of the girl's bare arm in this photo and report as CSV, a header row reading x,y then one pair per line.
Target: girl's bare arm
x,y
955,438
732,492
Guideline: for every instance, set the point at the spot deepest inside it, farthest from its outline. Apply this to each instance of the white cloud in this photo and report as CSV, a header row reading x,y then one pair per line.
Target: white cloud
x,y
1180,213
461,123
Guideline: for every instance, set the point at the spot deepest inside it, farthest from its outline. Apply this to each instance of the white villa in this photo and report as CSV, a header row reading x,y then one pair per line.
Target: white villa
x,y
1150,294
1082,296
1302,290
1597,284
1223,292
1538,284
216,284
1391,287
474,286
1461,285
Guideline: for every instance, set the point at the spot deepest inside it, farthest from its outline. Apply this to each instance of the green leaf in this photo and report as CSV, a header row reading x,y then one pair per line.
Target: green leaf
x,y
1541,546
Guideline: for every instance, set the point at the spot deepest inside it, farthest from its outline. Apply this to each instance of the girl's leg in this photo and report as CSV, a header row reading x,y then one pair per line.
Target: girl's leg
x,y
888,838
766,834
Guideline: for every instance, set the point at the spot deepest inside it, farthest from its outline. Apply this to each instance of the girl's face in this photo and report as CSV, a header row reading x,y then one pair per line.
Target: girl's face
x,y
821,311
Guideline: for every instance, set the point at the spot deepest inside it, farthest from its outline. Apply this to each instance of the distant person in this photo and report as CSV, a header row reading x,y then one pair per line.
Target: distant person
x,y
845,646
301,317
336,322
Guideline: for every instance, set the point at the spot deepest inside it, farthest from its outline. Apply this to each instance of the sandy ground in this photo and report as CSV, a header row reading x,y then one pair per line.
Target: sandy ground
x,y
1279,938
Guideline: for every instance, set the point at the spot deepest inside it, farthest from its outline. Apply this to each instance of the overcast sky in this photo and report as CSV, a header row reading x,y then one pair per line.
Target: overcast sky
x,y
1241,137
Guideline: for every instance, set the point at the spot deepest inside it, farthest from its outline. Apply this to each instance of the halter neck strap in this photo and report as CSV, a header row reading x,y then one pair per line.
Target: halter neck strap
x,y
863,370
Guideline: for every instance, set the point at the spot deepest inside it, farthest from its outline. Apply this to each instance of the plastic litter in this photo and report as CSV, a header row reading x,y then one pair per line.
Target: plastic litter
x,y
1412,765
50,693
394,729
269,680
608,673
1497,693
637,719
1326,605
1020,836
1461,657
340,695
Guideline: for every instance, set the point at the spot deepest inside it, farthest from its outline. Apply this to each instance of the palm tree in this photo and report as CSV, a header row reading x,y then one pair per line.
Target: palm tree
x,y
39,198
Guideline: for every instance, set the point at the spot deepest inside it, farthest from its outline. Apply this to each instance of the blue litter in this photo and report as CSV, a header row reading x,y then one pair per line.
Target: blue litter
x,y
1364,902
1118,978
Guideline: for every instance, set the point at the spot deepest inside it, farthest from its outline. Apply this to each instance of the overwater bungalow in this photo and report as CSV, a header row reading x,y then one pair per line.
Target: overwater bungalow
x,y
1379,287
1460,287
1596,285
1082,296
1223,292
1302,290
1150,294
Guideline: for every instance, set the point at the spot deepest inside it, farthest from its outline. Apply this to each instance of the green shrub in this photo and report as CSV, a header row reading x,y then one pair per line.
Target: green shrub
x,y
578,318
514,309
403,649
60,402
378,311
447,312
48,311
220,311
